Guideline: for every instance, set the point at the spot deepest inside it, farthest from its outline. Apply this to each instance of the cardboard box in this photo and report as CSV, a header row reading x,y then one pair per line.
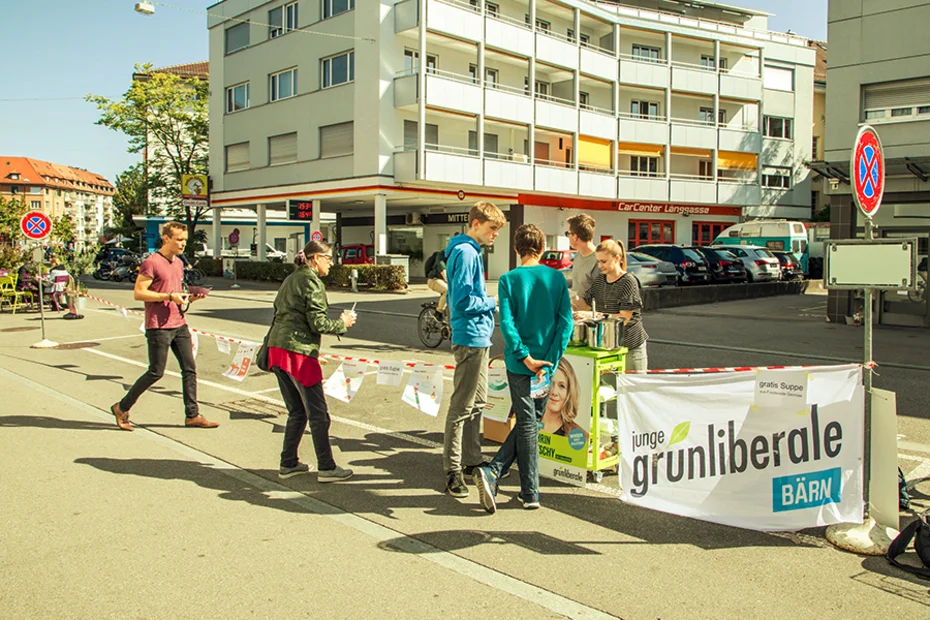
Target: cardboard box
x,y
498,431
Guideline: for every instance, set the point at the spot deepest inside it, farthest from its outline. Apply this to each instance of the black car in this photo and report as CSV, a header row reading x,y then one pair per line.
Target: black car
x,y
111,254
723,266
690,264
790,265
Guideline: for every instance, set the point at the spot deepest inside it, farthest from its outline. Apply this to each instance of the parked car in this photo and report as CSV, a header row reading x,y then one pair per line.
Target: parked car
x,y
650,270
110,254
359,254
790,265
761,265
690,265
557,259
723,265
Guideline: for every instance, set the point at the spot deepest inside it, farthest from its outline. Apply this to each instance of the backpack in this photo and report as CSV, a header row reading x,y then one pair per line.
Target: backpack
x,y
431,262
919,530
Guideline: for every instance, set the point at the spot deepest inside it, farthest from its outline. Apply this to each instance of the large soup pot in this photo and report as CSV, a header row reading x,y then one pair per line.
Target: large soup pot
x,y
605,334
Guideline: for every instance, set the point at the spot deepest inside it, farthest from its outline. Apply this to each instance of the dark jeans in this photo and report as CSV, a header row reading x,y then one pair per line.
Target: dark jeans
x,y
305,403
160,340
521,444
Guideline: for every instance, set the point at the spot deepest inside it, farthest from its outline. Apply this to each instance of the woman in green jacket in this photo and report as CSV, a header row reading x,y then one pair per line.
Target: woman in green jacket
x,y
293,355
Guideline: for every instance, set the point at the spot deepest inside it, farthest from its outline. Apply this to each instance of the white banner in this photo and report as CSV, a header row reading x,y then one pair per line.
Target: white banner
x,y
242,361
390,373
345,382
498,407
222,345
703,446
424,389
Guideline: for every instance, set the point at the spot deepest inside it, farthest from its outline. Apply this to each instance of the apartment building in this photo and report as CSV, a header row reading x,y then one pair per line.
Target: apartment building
x,y
60,191
668,121
882,79
819,199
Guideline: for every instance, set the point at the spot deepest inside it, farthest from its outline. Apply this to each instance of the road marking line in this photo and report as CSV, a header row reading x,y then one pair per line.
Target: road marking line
x,y
105,339
467,568
274,389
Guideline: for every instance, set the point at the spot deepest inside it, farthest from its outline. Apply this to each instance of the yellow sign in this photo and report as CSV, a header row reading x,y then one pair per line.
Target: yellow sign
x,y
194,186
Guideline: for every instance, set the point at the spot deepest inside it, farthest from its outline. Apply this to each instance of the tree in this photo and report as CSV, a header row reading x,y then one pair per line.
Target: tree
x,y
130,198
164,116
11,212
63,229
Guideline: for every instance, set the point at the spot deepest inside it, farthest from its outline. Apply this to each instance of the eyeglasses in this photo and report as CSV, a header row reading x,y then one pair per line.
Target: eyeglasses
x,y
328,257
568,233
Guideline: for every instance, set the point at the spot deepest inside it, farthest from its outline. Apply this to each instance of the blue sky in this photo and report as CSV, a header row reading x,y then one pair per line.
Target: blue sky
x,y
91,46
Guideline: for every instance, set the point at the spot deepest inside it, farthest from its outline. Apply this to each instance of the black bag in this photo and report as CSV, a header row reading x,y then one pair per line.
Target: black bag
x,y
430,263
919,530
261,356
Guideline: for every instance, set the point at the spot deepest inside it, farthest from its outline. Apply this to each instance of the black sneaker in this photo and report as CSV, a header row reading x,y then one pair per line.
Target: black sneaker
x,y
455,486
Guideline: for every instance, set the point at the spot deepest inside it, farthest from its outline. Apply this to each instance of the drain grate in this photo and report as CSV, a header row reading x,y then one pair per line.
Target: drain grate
x,y
19,329
252,409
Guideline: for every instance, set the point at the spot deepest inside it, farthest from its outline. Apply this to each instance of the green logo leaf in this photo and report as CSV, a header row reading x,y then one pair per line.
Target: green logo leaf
x,y
680,433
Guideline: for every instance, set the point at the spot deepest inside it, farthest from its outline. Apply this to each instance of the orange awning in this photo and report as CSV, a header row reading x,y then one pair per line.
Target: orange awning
x,y
594,152
729,160
638,148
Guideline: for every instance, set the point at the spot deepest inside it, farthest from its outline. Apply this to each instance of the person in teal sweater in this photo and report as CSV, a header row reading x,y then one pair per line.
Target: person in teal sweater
x,y
536,322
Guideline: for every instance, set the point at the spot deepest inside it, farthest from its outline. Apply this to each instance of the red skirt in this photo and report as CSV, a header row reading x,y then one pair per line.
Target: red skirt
x,y
304,368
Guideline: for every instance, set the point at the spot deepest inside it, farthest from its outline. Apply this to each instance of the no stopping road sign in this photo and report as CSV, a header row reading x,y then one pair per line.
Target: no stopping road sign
x,y
35,225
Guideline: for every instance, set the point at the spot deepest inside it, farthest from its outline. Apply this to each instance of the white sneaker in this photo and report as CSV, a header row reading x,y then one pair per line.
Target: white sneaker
x,y
533,505
335,475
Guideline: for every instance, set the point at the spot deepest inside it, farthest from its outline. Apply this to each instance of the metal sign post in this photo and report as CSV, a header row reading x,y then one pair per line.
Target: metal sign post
x,y
36,226
867,169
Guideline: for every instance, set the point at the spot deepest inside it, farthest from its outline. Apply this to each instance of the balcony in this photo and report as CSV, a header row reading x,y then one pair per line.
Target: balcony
x,y
642,188
745,193
556,114
597,182
693,134
444,89
554,49
643,130
511,35
692,189
740,140
443,164
639,71
598,63
406,15
508,103
553,177
598,122
455,18
694,78
508,174
741,86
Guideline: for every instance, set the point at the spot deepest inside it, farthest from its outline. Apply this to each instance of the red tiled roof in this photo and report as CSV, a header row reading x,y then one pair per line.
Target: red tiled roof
x,y
189,70
28,175
820,64
38,172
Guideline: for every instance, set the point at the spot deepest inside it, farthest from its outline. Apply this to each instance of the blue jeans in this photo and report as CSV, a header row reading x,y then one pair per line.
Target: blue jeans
x,y
521,444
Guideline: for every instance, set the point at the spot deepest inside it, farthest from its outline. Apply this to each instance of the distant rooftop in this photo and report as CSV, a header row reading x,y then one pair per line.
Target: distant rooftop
x,y
199,70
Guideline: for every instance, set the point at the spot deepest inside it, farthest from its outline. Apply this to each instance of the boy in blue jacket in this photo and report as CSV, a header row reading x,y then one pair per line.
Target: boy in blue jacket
x,y
536,322
471,314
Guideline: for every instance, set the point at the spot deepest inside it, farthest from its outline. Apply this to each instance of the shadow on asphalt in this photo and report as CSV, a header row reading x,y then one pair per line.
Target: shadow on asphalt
x,y
39,421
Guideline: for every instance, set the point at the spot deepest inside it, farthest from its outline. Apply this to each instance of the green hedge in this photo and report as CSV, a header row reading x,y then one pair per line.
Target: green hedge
x,y
378,277
270,272
210,266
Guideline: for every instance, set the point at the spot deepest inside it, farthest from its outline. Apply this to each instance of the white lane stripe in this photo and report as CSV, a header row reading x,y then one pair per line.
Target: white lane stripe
x,y
274,389
104,339
482,574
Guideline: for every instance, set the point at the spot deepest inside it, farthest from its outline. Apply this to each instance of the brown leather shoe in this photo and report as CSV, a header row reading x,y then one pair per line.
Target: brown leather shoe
x,y
200,422
122,417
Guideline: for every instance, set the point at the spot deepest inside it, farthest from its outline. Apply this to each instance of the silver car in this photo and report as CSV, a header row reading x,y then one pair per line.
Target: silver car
x,y
650,270
761,264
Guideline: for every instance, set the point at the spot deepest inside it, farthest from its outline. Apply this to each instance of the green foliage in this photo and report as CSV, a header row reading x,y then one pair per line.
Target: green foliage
x,y
378,277
269,272
131,198
77,264
210,266
63,230
10,257
11,212
165,116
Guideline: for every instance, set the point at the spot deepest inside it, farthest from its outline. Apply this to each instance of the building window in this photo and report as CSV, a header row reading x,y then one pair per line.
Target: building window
x,y
710,63
707,116
491,144
237,157
237,98
706,169
337,140
641,166
642,232
284,84
643,52
704,233
777,78
14,189
896,101
14,176
237,37
871,115
775,127
335,7
410,136
776,176
491,76
35,204
814,145
491,8
644,109
282,149
282,20
899,112
541,24
411,61
338,69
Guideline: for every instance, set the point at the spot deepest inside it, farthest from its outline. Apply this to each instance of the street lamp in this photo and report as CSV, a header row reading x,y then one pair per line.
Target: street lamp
x,y
146,8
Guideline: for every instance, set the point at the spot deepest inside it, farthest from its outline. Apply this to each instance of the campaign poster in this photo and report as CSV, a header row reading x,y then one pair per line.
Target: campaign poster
x,y
565,427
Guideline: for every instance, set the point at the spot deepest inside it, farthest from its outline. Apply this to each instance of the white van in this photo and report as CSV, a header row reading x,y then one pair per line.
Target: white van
x,y
782,235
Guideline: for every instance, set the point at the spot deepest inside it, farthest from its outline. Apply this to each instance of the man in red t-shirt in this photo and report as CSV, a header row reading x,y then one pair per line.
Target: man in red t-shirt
x,y
160,284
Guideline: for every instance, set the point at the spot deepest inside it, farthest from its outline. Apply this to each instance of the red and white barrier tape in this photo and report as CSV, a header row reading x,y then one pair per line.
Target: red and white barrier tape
x,y
339,358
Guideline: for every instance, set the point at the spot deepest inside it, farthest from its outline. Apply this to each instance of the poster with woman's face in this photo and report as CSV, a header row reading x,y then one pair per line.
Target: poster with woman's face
x,y
564,434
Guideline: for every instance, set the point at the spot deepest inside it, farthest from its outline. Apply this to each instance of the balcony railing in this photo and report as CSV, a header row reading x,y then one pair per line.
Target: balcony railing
x,y
691,65
677,176
555,35
555,100
507,20
637,58
695,122
740,73
597,110
554,164
659,118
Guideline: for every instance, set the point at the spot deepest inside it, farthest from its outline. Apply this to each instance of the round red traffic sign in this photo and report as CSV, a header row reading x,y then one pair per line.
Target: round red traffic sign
x,y
867,169
316,235
234,237
35,225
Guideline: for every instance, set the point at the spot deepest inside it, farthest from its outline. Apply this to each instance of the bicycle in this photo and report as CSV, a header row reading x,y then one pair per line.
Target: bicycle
x,y
433,326
194,277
